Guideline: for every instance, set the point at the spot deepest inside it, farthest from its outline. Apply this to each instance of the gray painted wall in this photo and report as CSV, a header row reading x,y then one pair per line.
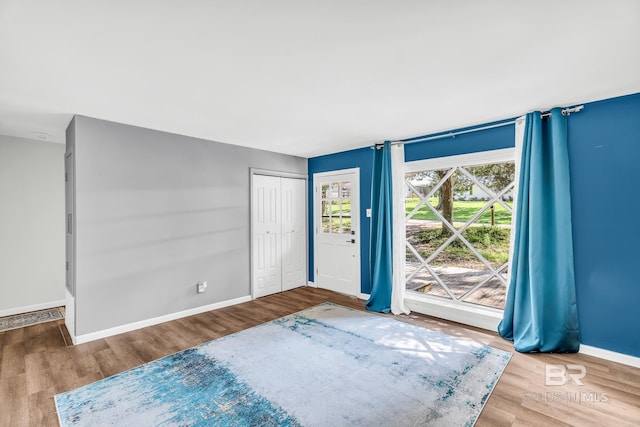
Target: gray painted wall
x,y
31,223
155,214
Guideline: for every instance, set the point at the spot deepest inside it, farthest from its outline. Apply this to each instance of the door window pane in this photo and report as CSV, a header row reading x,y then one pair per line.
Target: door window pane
x,y
336,207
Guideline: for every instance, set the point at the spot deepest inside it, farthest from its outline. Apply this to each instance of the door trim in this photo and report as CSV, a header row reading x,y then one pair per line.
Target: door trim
x,y
316,224
281,174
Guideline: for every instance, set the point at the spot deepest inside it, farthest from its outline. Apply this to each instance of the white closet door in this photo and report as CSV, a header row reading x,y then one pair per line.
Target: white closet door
x,y
294,248
266,235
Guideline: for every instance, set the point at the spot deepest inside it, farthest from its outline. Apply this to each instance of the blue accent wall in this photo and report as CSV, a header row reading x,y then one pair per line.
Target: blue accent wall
x,y
604,154
485,140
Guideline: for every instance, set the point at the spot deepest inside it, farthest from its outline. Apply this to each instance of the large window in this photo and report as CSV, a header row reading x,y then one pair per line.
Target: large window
x,y
458,221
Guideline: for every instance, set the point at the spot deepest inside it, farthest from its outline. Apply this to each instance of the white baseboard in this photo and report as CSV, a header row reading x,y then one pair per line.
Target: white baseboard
x,y
489,319
363,296
311,284
480,317
80,339
29,308
612,356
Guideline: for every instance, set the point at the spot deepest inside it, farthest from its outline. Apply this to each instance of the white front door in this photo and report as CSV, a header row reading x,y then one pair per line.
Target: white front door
x,y
266,235
337,230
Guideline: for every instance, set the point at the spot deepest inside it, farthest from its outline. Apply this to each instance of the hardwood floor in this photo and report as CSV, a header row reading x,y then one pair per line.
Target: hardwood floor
x,y
35,364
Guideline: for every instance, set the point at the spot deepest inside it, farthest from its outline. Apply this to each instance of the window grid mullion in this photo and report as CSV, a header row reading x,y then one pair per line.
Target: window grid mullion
x,y
495,197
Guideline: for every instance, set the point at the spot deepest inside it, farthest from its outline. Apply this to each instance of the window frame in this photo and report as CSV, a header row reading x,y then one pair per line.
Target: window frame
x,y
467,313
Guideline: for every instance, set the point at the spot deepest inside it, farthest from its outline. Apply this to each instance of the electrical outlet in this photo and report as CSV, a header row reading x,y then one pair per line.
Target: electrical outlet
x,y
201,286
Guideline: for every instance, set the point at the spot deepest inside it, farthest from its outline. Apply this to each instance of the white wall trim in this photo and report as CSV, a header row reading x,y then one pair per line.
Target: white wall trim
x,y
80,339
311,284
489,319
478,316
363,296
281,174
337,172
612,356
34,307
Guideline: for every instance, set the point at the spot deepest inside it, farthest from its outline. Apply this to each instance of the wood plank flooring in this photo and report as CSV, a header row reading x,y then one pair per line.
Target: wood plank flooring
x,y
35,364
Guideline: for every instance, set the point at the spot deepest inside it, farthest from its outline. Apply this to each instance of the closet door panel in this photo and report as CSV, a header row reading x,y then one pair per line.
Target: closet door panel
x,y
266,235
294,248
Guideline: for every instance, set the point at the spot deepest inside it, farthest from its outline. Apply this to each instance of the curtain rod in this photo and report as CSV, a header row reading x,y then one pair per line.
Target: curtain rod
x,y
544,115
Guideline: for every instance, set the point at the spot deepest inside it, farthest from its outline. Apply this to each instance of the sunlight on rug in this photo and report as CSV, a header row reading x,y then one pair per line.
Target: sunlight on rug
x,y
324,366
27,319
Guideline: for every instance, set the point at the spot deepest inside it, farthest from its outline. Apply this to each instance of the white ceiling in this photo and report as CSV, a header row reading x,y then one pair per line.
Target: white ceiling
x,y
307,77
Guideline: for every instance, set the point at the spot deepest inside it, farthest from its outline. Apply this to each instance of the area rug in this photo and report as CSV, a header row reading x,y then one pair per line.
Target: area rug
x,y
325,366
27,319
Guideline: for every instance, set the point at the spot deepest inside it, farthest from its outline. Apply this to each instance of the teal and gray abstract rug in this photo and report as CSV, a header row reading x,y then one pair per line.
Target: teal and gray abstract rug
x,y
324,366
